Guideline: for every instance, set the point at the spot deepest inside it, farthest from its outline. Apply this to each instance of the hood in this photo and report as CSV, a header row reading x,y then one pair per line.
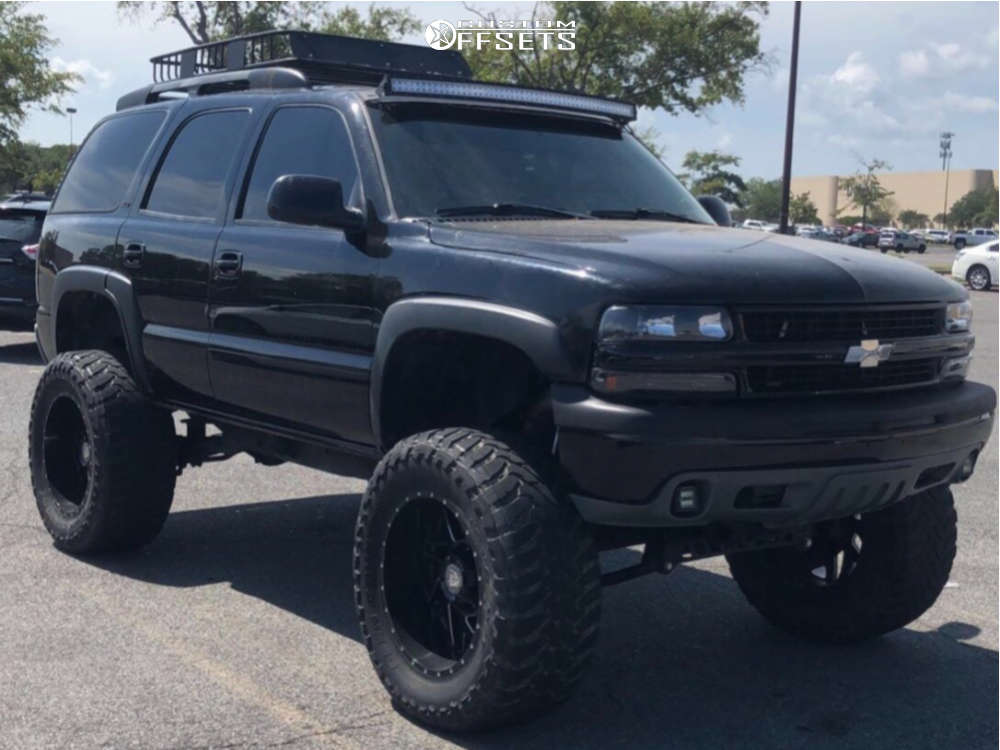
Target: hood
x,y
684,262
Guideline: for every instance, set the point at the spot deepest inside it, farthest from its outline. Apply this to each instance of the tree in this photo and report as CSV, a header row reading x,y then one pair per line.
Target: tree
x,y
864,190
708,175
28,79
762,199
801,209
210,21
975,208
679,57
650,138
34,167
913,219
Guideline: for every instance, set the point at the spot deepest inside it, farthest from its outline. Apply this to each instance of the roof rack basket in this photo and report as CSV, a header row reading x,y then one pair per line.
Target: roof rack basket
x,y
322,58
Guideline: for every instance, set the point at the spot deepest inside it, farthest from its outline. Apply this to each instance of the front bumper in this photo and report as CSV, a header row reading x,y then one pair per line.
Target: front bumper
x,y
822,457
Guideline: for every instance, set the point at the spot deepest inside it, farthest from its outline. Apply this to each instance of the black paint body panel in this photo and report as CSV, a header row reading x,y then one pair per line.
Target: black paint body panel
x,y
294,346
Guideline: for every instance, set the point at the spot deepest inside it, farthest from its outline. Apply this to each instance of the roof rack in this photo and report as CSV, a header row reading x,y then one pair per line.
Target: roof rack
x,y
323,58
290,59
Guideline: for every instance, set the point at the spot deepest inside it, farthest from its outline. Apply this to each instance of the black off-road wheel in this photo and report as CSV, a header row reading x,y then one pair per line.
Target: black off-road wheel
x,y
861,577
477,589
103,459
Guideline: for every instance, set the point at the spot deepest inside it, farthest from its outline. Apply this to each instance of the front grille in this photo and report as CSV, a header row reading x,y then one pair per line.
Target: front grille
x,y
840,377
768,326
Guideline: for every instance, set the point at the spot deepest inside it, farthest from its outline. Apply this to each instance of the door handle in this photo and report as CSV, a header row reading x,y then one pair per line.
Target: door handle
x,y
132,255
229,264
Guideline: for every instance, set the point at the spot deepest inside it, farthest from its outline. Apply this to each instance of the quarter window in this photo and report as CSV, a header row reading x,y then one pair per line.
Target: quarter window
x,y
107,162
299,140
191,179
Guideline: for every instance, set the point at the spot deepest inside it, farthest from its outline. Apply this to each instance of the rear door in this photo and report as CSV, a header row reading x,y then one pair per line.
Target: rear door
x,y
168,241
292,307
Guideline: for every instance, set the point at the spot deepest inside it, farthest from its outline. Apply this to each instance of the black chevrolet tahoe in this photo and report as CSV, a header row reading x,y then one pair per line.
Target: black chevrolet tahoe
x,y
498,307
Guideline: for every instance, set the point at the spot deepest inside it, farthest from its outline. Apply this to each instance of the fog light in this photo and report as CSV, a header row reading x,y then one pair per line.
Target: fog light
x,y
687,501
968,466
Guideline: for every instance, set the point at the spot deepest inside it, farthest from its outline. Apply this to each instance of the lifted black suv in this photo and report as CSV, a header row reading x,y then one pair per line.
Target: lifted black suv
x,y
498,305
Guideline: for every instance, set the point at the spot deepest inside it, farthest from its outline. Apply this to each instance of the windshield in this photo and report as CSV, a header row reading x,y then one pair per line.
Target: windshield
x,y
442,160
22,226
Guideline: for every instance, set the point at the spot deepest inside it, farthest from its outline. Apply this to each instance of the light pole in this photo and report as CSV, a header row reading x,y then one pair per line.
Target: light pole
x,y
945,155
71,111
793,74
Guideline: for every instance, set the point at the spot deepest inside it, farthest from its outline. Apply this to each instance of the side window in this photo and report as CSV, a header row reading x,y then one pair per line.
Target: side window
x,y
191,179
107,162
299,140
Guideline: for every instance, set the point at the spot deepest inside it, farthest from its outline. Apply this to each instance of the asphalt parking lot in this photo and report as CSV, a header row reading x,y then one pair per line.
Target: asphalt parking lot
x,y
236,628
936,256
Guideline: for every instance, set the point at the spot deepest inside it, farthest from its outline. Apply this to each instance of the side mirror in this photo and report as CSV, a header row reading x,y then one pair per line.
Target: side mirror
x,y
312,200
717,209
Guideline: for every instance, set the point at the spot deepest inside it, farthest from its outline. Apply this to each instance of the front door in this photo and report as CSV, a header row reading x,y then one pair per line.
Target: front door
x,y
292,313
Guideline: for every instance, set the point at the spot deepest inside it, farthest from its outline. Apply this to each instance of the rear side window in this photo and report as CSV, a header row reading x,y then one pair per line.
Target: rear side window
x,y
191,179
107,162
20,226
299,140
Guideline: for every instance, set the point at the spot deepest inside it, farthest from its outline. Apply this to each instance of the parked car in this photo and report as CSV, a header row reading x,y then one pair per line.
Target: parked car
x,y
942,236
977,236
762,226
21,217
496,305
894,239
977,266
861,239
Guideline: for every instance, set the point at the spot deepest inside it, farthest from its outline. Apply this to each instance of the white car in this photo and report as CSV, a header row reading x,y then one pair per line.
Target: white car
x,y
760,226
938,235
977,266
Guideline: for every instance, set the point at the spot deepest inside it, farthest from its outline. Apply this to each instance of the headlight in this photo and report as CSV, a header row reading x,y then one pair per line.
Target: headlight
x,y
958,317
646,322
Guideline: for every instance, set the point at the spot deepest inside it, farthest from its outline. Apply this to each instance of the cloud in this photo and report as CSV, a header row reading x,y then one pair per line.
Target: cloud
x,y
725,140
970,104
914,64
957,57
85,69
856,74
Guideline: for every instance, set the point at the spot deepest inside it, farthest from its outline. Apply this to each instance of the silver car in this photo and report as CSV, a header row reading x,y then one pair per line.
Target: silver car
x,y
894,239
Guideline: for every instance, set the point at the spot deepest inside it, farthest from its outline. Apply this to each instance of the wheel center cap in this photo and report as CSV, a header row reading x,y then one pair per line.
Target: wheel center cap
x,y
84,453
453,579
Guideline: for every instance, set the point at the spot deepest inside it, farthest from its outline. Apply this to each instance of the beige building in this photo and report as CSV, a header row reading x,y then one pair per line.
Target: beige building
x,y
914,191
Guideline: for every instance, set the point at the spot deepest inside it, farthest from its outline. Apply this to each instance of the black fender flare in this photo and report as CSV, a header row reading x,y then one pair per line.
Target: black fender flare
x,y
536,336
117,289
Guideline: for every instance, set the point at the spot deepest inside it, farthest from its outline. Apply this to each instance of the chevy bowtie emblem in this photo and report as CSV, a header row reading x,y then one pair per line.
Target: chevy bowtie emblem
x,y
868,354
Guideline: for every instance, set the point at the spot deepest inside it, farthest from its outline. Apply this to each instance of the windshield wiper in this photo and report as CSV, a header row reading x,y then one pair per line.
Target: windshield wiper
x,y
508,209
641,213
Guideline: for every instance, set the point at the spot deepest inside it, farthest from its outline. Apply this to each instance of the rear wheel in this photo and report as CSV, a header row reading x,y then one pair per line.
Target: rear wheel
x,y
978,278
959,244
861,577
922,249
477,590
103,459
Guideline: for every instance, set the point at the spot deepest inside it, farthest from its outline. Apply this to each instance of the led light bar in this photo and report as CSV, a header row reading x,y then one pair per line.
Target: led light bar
x,y
510,94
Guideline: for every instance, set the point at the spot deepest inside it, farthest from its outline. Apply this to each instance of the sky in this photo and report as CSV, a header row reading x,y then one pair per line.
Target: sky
x,y
876,80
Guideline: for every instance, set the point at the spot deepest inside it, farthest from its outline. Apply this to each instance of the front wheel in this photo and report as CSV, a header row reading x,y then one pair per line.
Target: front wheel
x,y
922,249
978,278
478,591
884,250
959,244
860,577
